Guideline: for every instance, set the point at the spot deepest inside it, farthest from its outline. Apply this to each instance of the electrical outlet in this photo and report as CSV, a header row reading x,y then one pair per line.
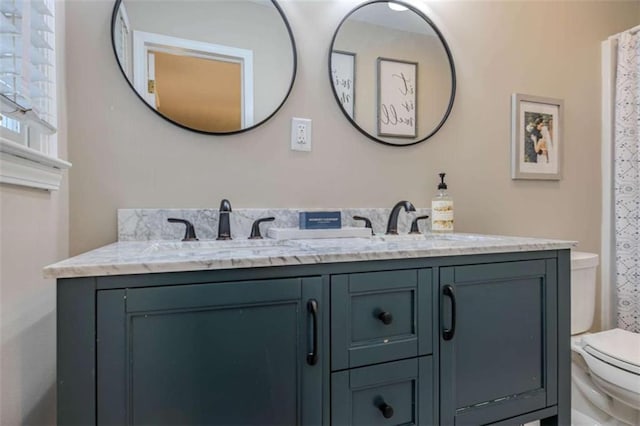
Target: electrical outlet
x,y
300,134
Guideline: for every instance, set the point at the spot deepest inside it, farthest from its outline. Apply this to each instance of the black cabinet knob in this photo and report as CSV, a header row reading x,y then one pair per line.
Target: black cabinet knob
x,y
385,317
385,409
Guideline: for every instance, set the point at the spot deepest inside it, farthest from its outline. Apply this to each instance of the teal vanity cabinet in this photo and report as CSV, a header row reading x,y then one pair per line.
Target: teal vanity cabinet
x,y
453,340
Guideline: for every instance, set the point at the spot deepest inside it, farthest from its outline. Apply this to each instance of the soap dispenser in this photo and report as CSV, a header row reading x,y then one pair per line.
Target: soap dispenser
x,y
442,209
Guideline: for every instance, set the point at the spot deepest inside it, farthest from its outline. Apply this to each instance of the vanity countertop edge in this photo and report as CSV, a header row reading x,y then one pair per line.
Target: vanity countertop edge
x,y
144,257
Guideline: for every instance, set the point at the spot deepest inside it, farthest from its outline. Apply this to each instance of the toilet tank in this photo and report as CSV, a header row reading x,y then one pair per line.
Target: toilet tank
x,y
583,290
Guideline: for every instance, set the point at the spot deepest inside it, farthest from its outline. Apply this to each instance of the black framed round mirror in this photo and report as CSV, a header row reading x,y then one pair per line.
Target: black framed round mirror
x,y
211,66
392,72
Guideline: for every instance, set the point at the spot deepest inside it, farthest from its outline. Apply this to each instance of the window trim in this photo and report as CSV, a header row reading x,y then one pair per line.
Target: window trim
x,y
30,159
20,165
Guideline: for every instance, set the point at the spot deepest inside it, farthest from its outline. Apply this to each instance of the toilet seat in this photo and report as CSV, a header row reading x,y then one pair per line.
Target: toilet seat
x,y
617,347
613,358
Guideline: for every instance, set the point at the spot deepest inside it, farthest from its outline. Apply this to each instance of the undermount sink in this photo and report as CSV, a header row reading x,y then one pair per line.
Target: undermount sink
x,y
338,243
400,237
213,245
436,237
325,244
462,237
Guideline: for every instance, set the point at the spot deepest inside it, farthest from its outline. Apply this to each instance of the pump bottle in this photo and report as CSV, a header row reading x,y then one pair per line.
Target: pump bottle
x,y
442,209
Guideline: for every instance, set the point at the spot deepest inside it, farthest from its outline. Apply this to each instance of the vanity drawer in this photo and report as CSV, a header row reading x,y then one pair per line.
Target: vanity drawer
x,y
380,316
396,393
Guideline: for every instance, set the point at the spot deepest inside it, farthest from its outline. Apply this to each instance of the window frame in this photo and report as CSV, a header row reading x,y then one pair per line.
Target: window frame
x,y
30,158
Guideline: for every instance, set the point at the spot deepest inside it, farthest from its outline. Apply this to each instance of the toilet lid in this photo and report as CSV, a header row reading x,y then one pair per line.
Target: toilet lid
x,y
617,347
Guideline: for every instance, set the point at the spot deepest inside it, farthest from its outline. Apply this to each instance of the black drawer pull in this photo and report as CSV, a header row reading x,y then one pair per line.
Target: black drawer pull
x,y
312,355
385,317
447,334
385,409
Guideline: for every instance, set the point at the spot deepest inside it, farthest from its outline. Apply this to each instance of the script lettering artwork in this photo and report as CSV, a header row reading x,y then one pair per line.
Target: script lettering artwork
x,y
344,88
342,76
397,114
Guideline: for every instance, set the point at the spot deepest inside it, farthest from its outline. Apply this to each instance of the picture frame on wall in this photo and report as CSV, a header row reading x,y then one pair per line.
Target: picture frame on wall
x,y
397,98
537,142
343,76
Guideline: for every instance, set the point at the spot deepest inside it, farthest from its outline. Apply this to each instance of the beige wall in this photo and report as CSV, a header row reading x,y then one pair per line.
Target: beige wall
x,y
34,232
125,156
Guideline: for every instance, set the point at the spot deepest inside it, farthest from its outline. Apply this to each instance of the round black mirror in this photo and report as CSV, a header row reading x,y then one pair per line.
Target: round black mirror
x,y
392,73
212,66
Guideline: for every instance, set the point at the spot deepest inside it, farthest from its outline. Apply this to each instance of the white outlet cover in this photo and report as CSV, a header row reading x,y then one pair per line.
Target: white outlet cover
x,y
300,134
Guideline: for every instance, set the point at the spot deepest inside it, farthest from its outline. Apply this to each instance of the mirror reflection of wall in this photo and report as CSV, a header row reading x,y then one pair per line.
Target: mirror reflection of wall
x,y
376,31
211,66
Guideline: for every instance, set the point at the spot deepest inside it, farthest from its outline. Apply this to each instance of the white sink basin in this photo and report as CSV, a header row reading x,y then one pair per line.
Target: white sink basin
x,y
400,237
437,237
161,247
337,243
245,247
463,237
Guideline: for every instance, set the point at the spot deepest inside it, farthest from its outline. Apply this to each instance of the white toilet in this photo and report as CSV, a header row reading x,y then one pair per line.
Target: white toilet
x,y
605,366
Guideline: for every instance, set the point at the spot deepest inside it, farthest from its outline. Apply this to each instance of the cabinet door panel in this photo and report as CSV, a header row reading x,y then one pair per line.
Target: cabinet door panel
x,y
500,361
180,359
498,340
229,357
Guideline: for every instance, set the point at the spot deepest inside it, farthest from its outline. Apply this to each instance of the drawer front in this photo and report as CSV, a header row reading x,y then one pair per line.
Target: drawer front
x,y
397,393
387,314
380,316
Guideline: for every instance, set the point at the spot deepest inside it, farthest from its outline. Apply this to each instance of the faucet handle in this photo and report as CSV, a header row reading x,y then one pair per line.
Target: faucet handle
x,y
367,222
414,224
189,232
255,228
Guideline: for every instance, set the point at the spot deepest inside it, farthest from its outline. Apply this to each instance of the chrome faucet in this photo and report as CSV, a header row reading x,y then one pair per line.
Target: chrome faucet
x,y
224,228
392,225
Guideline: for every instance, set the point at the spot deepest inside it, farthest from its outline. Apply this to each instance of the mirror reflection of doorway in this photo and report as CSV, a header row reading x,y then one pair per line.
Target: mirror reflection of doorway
x,y
200,93
199,85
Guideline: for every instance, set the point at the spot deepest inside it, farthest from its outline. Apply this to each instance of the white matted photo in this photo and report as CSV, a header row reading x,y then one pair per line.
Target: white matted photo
x,y
397,94
536,137
343,72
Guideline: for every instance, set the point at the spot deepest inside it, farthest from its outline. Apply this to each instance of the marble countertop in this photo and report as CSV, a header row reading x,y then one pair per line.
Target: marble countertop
x,y
143,257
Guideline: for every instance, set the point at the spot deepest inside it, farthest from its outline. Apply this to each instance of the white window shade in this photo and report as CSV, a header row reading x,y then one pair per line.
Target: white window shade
x,y
27,63
28,115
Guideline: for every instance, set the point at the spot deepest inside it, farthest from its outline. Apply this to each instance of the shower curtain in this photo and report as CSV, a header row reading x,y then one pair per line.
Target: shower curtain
x,y
627,181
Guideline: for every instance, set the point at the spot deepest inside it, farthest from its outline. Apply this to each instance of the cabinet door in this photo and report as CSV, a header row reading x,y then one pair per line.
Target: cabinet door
x,y
211,354
498,340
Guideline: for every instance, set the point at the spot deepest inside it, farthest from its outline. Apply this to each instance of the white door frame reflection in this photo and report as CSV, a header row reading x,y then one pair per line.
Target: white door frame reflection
x,y
146,44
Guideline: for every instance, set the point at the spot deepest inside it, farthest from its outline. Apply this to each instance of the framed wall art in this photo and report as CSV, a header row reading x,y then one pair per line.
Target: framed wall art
x,y
536,137
397,94
343,73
